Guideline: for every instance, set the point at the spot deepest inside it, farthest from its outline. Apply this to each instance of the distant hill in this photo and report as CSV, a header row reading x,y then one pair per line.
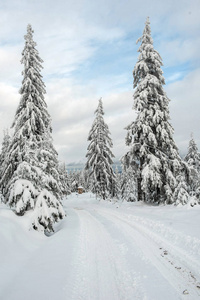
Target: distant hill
x,y
78,166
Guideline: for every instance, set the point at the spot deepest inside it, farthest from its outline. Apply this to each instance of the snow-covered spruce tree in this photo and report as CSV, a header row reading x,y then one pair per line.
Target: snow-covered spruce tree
x,y
181,194
150,136
118,183
70,180
193,160
4,149
3,156
5,146
74,180
129,184
193,156
86,180
30,175
64,180
99,157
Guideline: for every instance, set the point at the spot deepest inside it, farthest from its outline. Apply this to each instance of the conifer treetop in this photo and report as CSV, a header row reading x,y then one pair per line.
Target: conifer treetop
x,y
149,61
30,55
146,37
100,131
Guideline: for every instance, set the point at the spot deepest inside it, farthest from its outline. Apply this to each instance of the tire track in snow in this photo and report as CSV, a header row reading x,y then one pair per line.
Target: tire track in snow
x,y
100,269
171,261
168,238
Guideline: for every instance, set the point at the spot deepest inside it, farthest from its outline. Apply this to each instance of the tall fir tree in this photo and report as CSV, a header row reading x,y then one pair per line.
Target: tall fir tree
x,y
150,136
99,157
30,174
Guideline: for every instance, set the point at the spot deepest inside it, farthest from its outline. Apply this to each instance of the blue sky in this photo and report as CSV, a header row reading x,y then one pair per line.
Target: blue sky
x,y
89,51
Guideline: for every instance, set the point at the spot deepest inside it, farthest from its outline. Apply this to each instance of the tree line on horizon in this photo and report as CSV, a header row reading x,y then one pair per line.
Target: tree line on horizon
x,y
32,179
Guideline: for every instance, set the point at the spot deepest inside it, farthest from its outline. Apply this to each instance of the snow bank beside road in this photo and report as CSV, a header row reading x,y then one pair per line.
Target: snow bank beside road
x,y
102,251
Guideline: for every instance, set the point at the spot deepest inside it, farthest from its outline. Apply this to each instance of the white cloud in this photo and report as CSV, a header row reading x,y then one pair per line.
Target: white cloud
x,y
184,107
10,65
72,109
71,37
174,77
9,99
180,50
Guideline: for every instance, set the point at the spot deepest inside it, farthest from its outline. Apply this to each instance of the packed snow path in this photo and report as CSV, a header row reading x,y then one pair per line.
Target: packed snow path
x,y
103,251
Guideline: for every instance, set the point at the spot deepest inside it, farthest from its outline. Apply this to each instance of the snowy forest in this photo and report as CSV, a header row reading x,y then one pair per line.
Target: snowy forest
x,y
124,226
33,181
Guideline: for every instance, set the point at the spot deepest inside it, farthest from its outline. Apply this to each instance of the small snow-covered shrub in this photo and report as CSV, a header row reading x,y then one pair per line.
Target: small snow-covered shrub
x,y
48,210
192,201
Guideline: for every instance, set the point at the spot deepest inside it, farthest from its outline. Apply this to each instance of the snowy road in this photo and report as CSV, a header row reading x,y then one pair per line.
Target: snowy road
x,y
106,252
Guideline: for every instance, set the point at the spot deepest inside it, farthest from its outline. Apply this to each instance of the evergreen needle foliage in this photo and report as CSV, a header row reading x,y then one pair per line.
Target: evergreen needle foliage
x,y
99,157
31,166
193,160
150,136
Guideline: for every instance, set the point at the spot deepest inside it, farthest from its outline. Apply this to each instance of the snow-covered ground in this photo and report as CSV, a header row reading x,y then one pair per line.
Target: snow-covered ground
x,y
103,251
